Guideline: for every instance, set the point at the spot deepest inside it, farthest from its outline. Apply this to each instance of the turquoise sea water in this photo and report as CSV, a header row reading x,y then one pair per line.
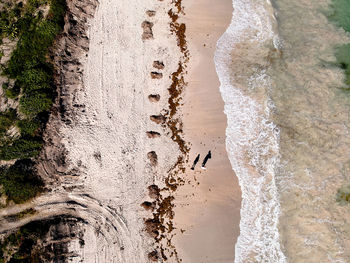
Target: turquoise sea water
x,y
339,14
288,137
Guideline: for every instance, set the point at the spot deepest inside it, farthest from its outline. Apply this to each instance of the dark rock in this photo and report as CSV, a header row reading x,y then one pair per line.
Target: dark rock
x,y
153,256
159,119
147,30
154,97
153,134
156,75
158,65
151,13
154,191
153,157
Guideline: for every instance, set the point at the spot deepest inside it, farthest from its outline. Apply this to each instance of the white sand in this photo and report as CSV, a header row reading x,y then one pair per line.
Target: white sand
x,y
210,217
117,84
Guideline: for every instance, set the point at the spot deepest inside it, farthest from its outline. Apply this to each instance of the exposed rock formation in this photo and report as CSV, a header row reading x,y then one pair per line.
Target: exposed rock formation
x,y
147,30
158,65
151,13
154,97
70,52
153,256
153,134
152,156
156,75
151,227
148,206
154,191
159,119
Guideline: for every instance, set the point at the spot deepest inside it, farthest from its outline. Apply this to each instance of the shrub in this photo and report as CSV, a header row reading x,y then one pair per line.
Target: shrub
x,y
20,182
11,93
25,244
343,195
28,127
29,67
35,79
20,149
6,120
5,86
34,103
343,59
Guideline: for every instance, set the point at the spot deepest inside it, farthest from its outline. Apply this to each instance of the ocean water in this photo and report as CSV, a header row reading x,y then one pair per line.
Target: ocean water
x,y
283,70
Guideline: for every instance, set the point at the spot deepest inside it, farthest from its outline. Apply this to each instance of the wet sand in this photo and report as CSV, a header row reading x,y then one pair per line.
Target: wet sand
x,y
210,216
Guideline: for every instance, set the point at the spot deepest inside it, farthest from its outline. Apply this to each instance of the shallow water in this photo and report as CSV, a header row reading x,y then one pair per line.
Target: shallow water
x,y
288,128
252,139
313,115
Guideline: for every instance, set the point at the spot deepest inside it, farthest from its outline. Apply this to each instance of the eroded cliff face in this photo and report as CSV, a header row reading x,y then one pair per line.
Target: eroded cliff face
x,y
69,55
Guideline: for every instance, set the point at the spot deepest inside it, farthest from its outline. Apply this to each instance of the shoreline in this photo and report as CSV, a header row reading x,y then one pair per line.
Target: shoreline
x,y
214,193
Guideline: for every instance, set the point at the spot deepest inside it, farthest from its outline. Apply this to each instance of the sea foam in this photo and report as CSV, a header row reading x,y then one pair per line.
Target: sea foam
x,y
252,140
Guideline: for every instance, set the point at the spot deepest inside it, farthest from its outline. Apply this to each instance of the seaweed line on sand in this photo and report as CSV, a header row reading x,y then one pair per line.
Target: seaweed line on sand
x,y
162,221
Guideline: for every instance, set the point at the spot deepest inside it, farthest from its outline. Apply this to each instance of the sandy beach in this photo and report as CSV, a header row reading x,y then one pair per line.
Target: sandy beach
x,y
207,208
209,212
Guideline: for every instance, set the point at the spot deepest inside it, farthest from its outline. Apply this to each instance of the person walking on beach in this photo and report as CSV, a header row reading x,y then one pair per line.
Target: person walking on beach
x,y
207,157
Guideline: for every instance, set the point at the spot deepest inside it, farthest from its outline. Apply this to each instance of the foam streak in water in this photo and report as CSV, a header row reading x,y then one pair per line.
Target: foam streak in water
x,y
252,141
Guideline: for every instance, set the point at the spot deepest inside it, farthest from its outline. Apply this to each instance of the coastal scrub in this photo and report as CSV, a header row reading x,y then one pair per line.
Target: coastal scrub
x,y
343,195
340,16
25,244
34,25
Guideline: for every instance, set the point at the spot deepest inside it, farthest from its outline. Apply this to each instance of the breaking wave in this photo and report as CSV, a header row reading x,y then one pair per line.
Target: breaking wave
x,y
252,139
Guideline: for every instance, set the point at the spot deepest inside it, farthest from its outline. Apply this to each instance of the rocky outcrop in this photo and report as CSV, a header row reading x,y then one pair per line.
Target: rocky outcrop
x,y
46,240
153,158
149,206
154,97
151,13
69,54
158,65
156,75
154,191
153,134
147,30
159,119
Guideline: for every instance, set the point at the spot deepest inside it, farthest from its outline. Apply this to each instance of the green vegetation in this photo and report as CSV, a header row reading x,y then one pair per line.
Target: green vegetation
x,y
343,58
9,20
35,28
11,92
29,127
343,195
28,64
7,119
340,15
19,246
20,182
20,149
27,212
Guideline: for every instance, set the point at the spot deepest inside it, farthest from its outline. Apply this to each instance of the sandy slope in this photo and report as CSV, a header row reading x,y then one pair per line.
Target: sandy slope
x,y
109,144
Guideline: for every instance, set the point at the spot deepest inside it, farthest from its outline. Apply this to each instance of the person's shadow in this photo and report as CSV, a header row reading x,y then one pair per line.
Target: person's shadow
x,y
206,158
